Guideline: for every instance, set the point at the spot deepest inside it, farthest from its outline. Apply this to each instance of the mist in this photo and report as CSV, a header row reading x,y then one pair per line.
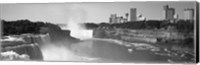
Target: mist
x,y
75,17
75,22
53,52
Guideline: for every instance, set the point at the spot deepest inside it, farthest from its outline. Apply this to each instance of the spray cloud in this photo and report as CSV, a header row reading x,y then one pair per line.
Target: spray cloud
x,y
75,23
74,16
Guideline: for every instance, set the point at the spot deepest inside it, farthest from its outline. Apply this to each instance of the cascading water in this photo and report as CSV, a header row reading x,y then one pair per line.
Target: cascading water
x,y
60,52
57,51
78,30
21,46
53,52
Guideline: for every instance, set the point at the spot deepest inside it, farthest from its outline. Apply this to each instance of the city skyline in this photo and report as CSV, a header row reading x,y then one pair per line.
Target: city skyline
x,y
88,12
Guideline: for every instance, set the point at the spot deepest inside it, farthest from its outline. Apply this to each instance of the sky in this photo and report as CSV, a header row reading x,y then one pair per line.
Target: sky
x,y
87,12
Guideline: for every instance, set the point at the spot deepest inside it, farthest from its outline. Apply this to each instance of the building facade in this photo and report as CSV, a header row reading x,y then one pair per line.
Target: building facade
x,y
189,14
113,18
169,13
117,19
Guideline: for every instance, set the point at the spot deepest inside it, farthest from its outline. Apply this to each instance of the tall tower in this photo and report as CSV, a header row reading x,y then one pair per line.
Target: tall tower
x,y
169,13
133,13
189,14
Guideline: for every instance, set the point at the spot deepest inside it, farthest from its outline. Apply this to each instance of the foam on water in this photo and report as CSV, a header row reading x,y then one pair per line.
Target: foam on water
x,y
61,53
11,55
11,38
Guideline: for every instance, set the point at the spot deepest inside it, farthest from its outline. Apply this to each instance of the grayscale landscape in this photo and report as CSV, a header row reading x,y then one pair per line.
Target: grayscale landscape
x,y
128,32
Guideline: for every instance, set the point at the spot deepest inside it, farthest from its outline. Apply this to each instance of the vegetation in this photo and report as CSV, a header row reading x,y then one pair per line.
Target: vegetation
x,y
184,26
27,26
22,26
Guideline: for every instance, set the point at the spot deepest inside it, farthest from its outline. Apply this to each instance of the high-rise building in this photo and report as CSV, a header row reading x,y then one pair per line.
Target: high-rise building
x,y
189,14
113,18
169,13
118,20
133,13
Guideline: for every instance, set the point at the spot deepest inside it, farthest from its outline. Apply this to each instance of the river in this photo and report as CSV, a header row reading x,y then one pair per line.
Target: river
x,y
109,50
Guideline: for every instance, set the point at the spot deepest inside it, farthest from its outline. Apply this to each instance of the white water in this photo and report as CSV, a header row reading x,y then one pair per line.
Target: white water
x,y
59,52
54,52
78,30
78,15
11,38
11,55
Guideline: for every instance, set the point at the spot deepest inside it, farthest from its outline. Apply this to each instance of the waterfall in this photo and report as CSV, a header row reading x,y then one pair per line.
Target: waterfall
x,y
57,51
78,30
54,51
23,44
45,39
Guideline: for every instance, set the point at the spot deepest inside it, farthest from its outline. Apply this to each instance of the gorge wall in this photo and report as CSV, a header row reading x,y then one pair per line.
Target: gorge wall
x,y
136,35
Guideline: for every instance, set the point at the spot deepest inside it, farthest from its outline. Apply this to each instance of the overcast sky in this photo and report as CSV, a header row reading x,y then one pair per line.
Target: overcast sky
x,y
87,12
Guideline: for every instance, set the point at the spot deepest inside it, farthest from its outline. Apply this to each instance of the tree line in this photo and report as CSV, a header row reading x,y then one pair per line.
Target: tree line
x,y
22,26
27,26
180,25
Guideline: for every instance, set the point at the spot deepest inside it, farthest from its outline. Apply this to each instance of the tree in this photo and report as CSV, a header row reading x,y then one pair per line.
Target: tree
x,y
185,26
21,26
126,16
153,24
